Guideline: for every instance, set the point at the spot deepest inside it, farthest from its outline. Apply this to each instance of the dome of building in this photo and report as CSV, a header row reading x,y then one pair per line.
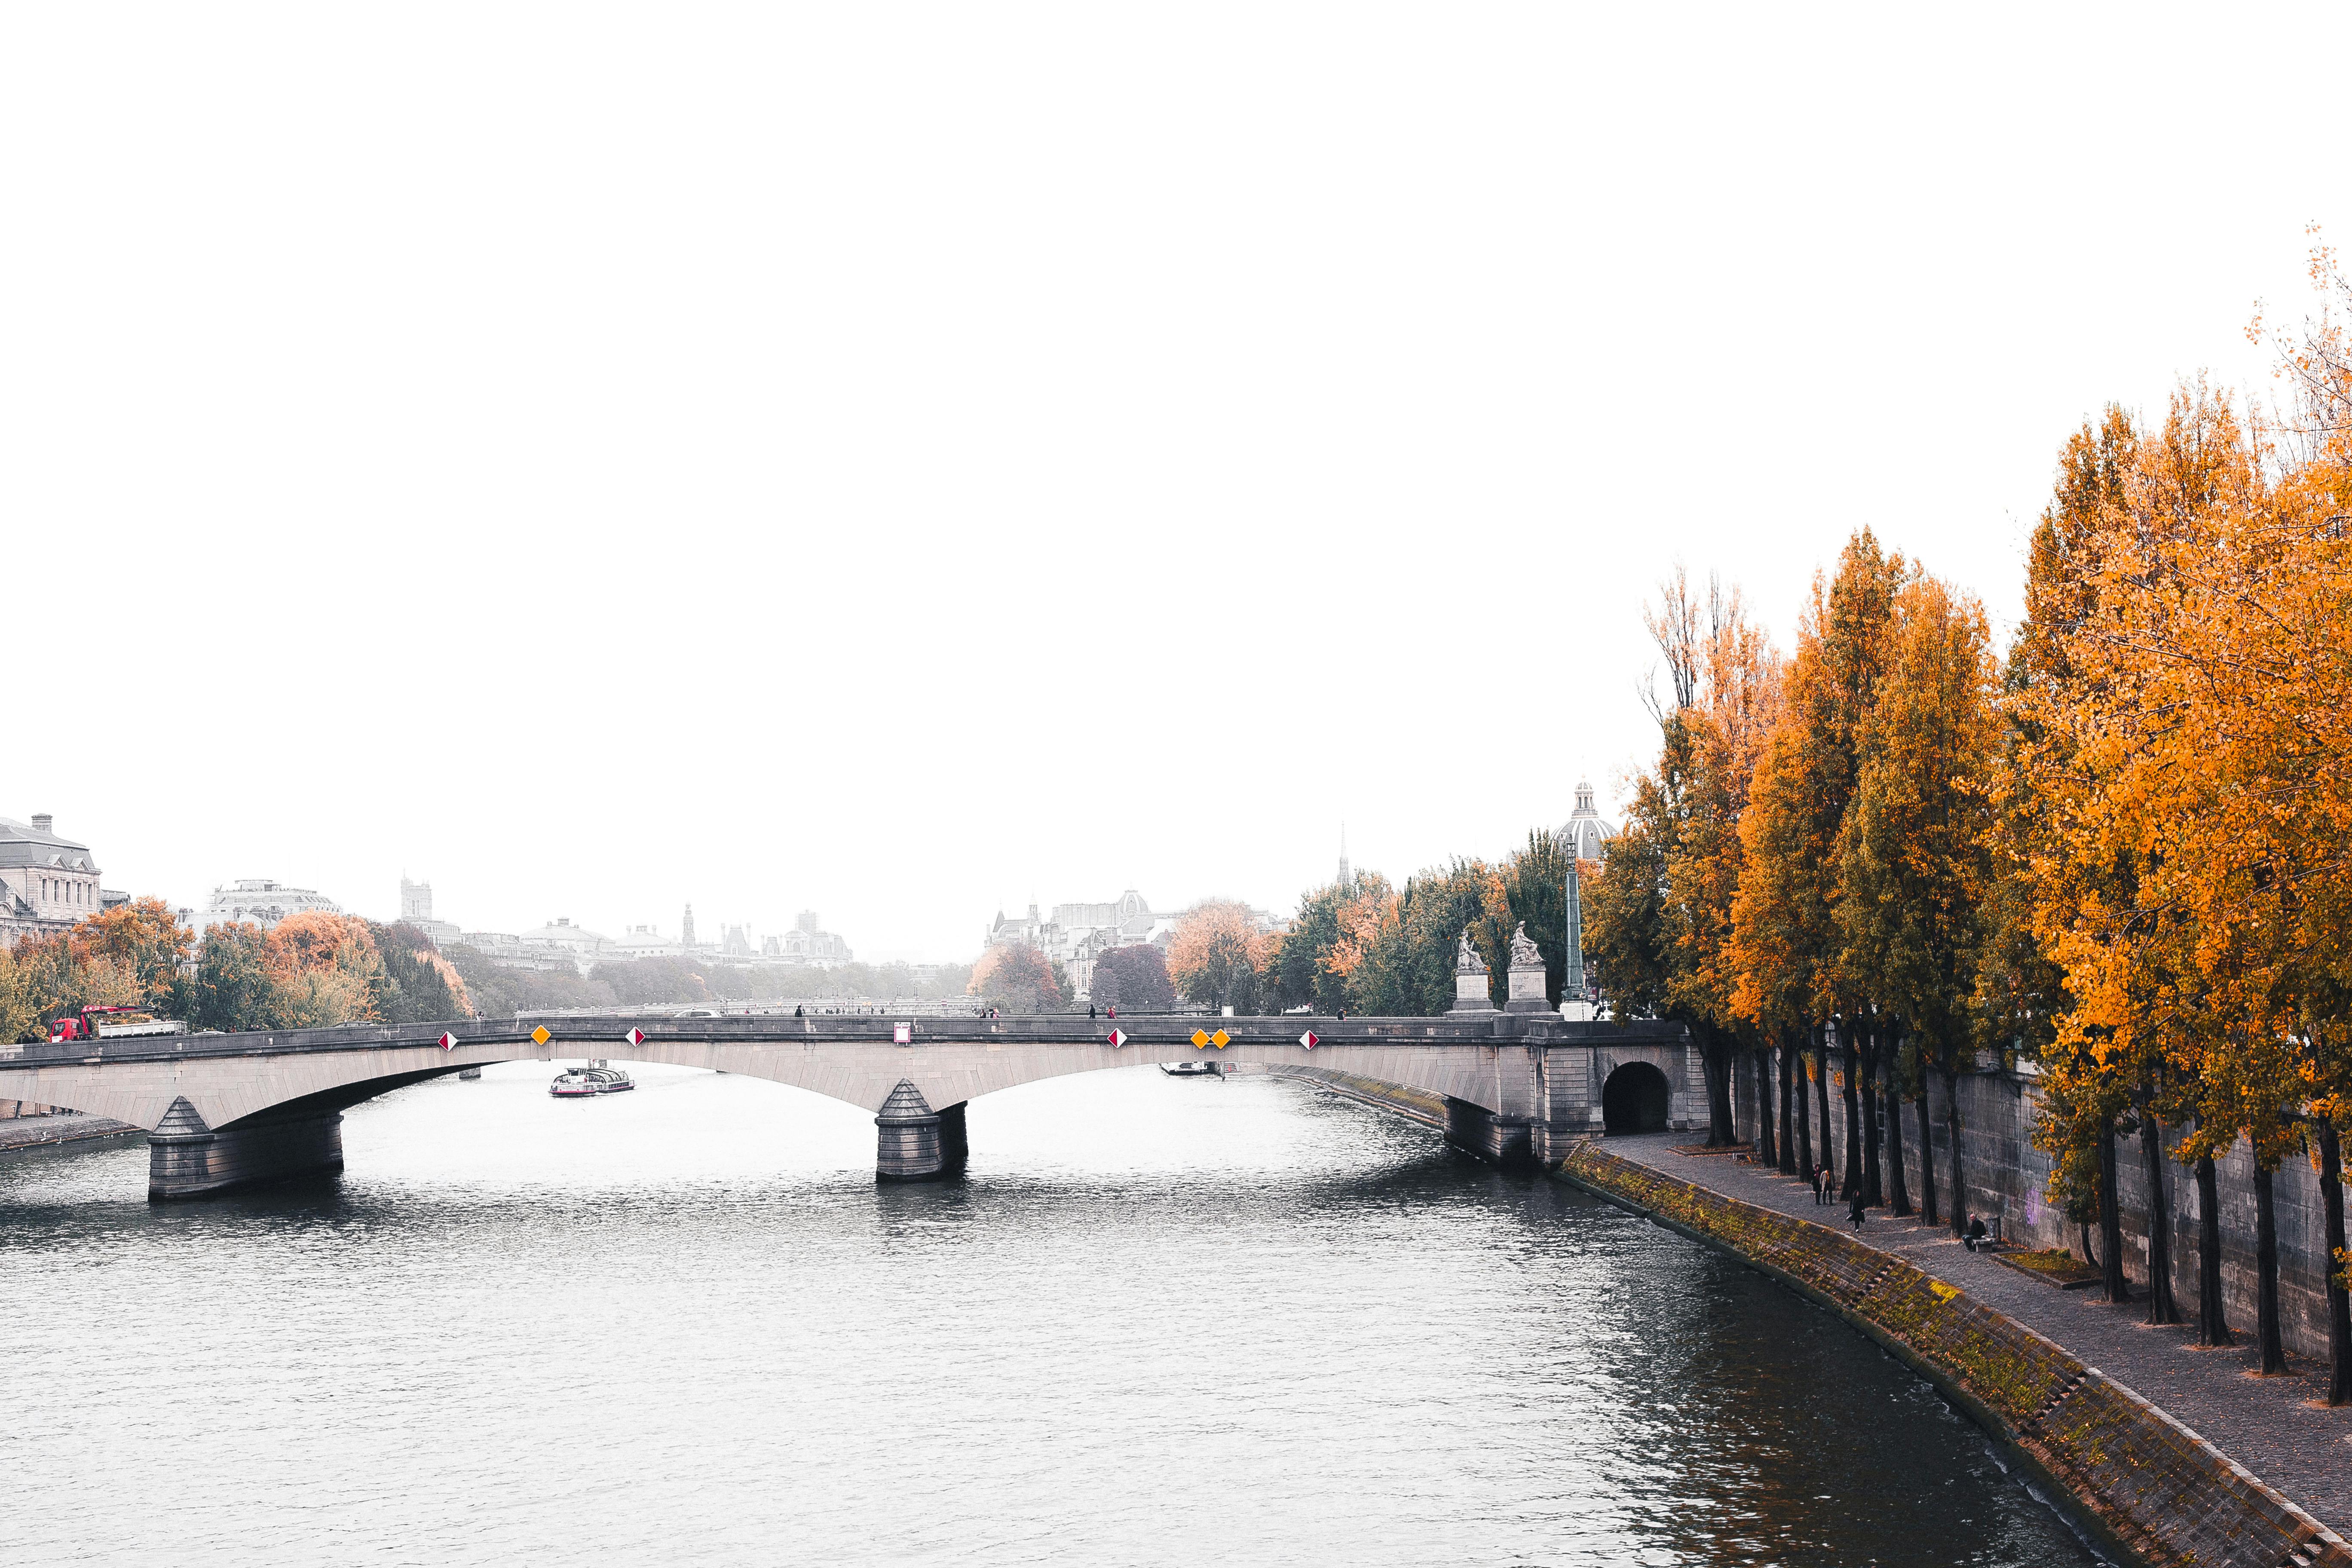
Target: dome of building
x,y
1586,833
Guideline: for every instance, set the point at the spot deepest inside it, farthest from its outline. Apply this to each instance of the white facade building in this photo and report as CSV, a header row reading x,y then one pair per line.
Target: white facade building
x,y
48,883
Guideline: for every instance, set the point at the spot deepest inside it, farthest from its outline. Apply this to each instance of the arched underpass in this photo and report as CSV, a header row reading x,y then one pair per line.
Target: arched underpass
x,y
1635,1098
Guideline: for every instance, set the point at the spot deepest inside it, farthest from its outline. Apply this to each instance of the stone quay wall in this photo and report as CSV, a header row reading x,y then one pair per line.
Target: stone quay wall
x,y
2152,1488
1413,1104
2008,1178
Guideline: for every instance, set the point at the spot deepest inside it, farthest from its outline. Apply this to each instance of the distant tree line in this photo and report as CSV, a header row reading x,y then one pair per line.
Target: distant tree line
x,y
500,992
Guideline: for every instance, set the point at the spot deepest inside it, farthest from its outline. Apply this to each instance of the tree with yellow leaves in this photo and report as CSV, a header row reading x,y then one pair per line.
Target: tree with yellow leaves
x,y
1787,949
1658,916
1913,866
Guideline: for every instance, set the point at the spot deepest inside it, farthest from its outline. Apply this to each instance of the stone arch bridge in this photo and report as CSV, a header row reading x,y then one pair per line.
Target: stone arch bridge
x,y
227,1111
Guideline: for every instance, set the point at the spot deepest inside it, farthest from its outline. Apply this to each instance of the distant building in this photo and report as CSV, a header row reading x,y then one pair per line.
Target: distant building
x,y
560,937
416,910
1586,834
644,942
258,901
46,883
508,952
807,942
1078,934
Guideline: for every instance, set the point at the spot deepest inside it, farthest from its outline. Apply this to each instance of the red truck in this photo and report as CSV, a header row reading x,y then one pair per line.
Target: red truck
x,y
111,1023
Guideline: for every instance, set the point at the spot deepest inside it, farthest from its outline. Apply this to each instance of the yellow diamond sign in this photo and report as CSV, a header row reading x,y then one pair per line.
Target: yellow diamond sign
x,y
1220,1039
1199,1040
540,1034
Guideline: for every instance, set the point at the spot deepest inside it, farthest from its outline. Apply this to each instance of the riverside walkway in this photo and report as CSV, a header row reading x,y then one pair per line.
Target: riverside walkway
x,y
2276,1427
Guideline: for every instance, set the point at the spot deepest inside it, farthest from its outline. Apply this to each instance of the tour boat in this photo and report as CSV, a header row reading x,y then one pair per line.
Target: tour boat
x,y
1189,1069
573,1083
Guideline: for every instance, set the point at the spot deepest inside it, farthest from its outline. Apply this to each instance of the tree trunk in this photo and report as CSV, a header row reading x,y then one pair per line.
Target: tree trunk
x,y
2266,1310
2212,1322
2111,1223
1822,1093
1874,1189
1789,1103
1952,1133
1850,1065
1766,1148
1720,1128
1793,1065
1926,1152
2161,1309
1898,1191
2339,1304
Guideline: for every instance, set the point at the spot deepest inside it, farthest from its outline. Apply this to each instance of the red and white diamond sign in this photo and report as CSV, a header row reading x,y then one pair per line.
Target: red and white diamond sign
x,y
1118,1037
1310,1039
635,1036
449,1042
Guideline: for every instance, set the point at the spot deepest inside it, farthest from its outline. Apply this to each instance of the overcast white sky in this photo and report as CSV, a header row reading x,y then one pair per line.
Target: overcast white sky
x,y
901,460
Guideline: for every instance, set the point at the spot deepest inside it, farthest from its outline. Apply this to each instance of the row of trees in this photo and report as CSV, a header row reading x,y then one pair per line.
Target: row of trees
x,y
2124,849
1368,946
1357,946
310,970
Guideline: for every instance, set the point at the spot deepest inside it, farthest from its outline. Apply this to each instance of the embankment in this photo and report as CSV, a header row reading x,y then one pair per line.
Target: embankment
x,y
2155,1490
59,1126
1413,1104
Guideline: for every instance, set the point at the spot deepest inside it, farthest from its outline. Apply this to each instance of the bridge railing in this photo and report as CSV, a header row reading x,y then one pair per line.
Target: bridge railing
x,y
605,1034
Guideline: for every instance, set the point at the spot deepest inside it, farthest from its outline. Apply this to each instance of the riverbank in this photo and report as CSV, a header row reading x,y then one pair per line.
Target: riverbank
x,y
63,1127
1413,1104
2153,1487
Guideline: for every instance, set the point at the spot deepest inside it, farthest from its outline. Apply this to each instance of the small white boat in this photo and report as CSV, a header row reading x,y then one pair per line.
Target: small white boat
x,y
1190,1069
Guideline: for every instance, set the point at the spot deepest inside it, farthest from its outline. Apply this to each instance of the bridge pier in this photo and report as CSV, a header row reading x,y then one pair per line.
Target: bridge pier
x,y
915,1143
1507,1142
186,1159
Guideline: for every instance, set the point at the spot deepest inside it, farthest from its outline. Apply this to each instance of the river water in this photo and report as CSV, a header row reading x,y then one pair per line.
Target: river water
x,y
1160,1321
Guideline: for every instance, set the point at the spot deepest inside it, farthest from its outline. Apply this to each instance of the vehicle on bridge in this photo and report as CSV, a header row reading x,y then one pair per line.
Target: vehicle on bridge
x,y
111,1023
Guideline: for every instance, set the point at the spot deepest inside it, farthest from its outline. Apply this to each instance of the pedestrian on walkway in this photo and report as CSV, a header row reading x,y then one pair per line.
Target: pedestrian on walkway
x,y
1820,1186
1854,1208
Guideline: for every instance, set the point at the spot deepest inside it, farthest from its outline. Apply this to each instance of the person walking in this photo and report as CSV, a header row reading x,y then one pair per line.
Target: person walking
x,y
1854,1208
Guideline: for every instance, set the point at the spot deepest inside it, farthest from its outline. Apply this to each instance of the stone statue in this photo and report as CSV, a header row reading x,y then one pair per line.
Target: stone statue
x,y
1467,960
1523,950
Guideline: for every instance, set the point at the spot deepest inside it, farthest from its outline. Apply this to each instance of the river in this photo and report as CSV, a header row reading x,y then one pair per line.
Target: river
x,y
1159,1320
